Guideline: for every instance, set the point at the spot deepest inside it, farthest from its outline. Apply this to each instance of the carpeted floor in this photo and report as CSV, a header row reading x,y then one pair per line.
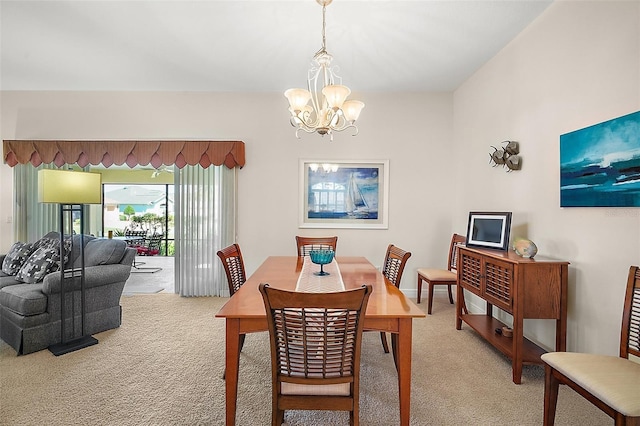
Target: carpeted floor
x,y
163,366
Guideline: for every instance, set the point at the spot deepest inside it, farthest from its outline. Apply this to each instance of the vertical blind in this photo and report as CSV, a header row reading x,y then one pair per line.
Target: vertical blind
x,y
205,223
31,219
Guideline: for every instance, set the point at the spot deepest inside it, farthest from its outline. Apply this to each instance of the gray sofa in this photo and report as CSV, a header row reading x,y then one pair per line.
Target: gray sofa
x,y
30,311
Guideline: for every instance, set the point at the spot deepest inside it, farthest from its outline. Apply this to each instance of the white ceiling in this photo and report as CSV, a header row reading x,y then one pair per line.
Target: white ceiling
x,y
251,46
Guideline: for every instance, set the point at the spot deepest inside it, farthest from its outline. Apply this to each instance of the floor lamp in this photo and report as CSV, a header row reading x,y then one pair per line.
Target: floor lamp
x,y
71,190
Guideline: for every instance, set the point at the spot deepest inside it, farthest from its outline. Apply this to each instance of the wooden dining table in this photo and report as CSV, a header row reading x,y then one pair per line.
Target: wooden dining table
x,y
388,310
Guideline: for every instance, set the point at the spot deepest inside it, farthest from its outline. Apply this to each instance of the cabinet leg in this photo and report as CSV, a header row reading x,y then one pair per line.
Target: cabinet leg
x,y
459,300
517,374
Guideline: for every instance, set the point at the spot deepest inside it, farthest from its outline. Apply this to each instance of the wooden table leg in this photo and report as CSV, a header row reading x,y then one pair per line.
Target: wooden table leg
x,y
231,369
394,349
404,368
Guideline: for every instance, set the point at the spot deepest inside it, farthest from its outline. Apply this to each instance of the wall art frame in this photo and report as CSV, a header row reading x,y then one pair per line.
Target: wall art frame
x,y
344,194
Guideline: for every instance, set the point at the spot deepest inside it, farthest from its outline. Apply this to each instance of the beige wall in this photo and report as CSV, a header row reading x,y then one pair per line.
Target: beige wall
x,y
413,132
577,65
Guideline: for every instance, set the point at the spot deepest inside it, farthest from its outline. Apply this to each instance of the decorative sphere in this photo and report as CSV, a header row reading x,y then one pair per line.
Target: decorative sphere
x,y
321,257
524,247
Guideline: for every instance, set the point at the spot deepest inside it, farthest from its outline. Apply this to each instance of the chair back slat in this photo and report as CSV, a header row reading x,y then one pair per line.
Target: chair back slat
x,y
135,233
137,237
315,337
630,334
394,263
457,241
154,241
231,258
306,244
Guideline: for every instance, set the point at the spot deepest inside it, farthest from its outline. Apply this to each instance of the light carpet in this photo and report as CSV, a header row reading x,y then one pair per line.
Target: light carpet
x,y
163,366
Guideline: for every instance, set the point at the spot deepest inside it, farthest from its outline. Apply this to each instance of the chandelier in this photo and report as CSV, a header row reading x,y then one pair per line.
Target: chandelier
x,y
324,107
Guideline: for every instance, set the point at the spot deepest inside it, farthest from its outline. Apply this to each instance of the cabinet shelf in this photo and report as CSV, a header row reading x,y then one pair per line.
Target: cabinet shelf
x,y
486,326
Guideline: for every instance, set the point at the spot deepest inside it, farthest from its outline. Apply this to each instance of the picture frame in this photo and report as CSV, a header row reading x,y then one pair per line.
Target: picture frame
x,y
344,194
489,230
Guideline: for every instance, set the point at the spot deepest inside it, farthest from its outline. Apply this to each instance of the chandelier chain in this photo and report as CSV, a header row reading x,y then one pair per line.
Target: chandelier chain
x,y
324,27
323,49
323,107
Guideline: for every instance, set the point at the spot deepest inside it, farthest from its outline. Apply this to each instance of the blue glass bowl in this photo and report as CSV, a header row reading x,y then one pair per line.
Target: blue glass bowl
x,y
321,257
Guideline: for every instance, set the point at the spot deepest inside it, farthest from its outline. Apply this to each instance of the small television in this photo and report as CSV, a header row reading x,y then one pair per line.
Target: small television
x,y
489,230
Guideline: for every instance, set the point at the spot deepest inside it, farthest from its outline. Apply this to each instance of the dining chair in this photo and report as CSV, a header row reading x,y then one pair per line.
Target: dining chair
x,y
448,277
394,262
315,341
150,246
231,258
306,244
611,383
145,246
136,236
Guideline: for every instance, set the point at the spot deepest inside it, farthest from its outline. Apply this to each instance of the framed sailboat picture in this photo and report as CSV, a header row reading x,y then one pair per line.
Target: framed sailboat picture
x,y
344,194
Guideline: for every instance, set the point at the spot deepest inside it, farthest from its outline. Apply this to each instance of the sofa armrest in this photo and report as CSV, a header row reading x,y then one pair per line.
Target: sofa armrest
x,y
129,256
95,276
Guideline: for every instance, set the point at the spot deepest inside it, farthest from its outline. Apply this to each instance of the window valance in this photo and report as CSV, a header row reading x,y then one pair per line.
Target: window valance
x,y
132,153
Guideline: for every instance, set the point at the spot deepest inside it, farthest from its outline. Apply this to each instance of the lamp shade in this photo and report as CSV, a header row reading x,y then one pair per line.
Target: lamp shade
x,y
69,187
336,94
351,110
298,98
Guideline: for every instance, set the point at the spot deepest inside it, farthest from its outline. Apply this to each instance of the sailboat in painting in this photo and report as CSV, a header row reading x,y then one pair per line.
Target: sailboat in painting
x,y
355,203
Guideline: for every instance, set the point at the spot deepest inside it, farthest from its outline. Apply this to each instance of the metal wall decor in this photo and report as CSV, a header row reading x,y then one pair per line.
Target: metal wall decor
x,y
506,156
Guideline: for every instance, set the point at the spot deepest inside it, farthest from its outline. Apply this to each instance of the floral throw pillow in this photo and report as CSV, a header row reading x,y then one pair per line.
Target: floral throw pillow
x,y
42,261
18,254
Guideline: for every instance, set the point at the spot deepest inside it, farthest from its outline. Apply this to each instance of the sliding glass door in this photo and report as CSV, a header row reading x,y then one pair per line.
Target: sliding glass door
x,y
140,207
203,221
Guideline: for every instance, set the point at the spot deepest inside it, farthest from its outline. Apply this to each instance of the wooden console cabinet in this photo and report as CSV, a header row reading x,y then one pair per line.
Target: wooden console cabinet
x,y
525,288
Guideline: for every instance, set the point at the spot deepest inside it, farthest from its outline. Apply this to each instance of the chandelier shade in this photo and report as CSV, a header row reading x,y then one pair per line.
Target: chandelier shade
x,y
335,95
351,110
298,98
323,107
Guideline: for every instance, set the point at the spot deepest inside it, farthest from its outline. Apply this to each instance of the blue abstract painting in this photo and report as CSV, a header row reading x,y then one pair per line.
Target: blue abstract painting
x,y
600,164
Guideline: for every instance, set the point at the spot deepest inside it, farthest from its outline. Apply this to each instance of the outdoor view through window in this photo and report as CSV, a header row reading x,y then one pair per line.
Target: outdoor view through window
x,y
146,208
